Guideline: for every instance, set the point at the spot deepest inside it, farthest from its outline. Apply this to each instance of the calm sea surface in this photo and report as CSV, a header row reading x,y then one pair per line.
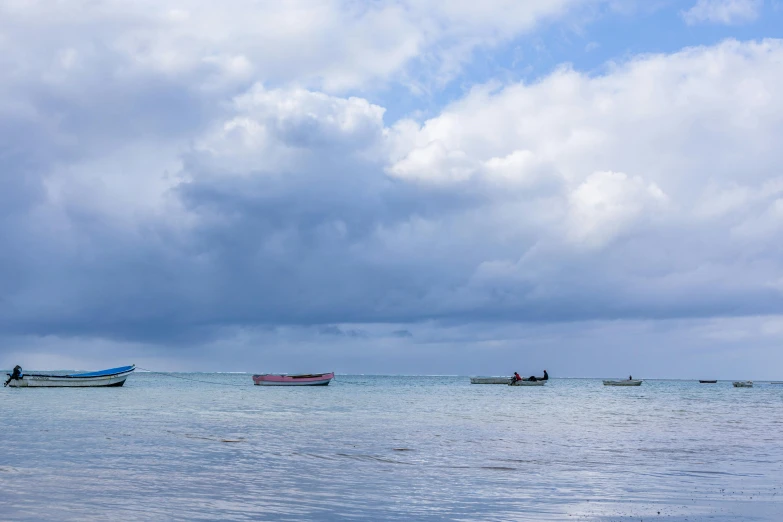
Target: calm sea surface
x,y
391,448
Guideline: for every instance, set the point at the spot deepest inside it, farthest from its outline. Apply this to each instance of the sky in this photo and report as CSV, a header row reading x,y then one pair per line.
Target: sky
x,y
593,187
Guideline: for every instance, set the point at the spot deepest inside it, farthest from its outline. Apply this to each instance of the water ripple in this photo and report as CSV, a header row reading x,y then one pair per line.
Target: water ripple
x,y
392,448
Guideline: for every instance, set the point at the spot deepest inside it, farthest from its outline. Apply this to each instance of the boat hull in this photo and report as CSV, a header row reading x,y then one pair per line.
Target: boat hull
x,y
490,380
87,380
527,383
708,382
743,384
634,382
321,379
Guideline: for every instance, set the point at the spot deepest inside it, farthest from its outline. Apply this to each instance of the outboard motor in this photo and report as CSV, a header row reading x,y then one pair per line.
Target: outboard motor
x,y
15,375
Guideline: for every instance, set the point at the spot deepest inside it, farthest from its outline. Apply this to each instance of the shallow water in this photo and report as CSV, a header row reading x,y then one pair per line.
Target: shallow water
x,y
391,448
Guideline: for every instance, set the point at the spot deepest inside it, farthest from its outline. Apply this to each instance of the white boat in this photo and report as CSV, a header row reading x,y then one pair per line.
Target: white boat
x,y
623,382
527,383
490,380
284,379
743,384
103,378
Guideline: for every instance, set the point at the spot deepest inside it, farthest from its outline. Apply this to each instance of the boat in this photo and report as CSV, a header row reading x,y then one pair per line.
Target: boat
x,y
776,382
527,383
490,380
516,380
623,382
102,378
743,384
707,382
284,379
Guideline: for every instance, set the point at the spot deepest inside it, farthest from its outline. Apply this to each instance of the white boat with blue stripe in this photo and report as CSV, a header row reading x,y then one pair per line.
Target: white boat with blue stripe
x,y
102,378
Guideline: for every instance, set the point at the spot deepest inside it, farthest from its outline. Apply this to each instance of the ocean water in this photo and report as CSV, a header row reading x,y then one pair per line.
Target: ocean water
x,y
391,448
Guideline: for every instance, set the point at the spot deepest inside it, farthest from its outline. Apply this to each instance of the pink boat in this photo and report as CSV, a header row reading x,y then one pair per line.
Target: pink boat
x,y
278,379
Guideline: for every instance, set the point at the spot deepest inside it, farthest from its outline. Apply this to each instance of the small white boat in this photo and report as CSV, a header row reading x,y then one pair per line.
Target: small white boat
x,y
743,384
284,379
623,382
490,380
103,378
527,383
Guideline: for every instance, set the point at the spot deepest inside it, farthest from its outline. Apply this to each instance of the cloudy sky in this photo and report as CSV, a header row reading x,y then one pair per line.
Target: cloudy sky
x,y
393,186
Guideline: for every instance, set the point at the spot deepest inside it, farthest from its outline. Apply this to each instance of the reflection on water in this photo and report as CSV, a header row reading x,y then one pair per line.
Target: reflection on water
x,y
392,448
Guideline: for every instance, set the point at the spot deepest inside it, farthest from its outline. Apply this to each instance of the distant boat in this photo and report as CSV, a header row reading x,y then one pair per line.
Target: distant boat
x,y
623,382
516,378
490,380
284,379
707,382
103,378
526,383
776,382
743,384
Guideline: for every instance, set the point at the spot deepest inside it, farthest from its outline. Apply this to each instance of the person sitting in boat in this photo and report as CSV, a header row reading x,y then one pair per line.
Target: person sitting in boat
x,y
533,378
630,377
15,375
516,377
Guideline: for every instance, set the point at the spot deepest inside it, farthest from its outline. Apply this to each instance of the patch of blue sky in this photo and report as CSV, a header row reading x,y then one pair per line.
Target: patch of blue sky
x,y
608,35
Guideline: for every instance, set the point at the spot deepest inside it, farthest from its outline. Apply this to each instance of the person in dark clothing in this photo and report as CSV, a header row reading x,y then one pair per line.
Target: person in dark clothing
x,y
15,375
533,378
630,377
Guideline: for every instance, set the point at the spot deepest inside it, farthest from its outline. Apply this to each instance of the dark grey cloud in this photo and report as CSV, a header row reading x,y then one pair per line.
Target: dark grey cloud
x,y
341,332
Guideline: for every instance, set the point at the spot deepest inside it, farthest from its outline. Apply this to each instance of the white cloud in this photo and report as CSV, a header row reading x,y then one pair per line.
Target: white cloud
x,y
282,129
641,164
651,190
335,45
433,162
638,165
609,203
688,125
171,170
728,12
